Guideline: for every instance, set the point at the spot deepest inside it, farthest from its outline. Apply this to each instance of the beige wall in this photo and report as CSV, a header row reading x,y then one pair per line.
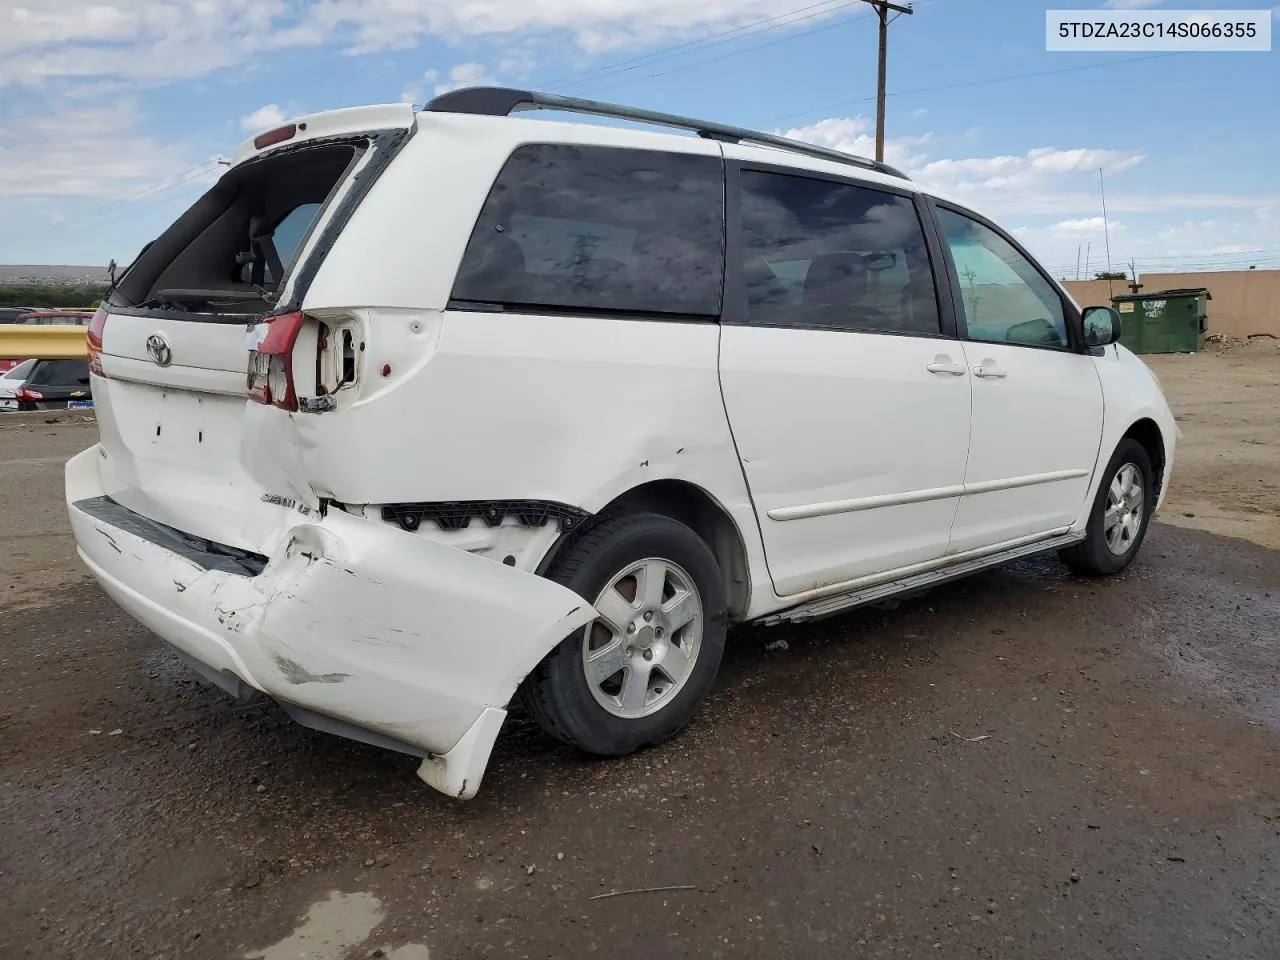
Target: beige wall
x,y
1244,301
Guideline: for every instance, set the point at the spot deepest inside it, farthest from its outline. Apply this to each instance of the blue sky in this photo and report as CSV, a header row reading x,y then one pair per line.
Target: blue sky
x,y
112,112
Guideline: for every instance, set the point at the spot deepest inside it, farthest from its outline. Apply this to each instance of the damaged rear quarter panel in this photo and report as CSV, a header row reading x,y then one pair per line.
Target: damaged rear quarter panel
x,y
575,410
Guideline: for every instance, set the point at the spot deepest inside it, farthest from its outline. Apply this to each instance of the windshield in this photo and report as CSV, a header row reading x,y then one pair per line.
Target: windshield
x,y
19,372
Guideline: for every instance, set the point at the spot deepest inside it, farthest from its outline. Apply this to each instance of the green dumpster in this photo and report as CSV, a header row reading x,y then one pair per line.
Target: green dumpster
x,y
1171,321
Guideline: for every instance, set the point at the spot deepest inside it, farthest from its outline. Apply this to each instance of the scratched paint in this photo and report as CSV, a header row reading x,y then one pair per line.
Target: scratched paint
x,y
295,672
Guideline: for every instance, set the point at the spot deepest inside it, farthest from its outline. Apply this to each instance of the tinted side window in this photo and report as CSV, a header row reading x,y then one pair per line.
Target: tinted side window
x,y
1005,298
600,228
824,254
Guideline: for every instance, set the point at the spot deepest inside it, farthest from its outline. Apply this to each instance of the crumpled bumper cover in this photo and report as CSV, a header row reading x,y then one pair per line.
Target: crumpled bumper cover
x,y
356,627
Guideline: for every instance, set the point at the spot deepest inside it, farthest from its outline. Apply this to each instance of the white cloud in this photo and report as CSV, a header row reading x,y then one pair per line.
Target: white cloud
x,y
1050,160
264,118
1084,227
1042,180
134,40
856,135
145,41
1023,178
463,75
82,151
1058,186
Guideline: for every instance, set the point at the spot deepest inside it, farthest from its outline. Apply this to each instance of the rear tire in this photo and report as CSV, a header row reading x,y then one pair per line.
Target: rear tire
x,y
1120,514
663,609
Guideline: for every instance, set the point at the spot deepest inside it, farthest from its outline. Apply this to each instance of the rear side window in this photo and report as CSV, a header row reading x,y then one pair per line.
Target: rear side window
x,y
58,373
20,372
600,229
818,253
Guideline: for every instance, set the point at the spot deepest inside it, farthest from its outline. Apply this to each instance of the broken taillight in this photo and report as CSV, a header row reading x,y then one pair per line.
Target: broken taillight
x,y
97,326
270,375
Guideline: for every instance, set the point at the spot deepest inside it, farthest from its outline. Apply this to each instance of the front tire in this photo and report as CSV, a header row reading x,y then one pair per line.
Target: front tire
x,y
1120,515
635,676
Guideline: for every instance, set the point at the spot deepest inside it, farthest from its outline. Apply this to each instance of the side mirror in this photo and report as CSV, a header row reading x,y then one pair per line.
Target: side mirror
x,y
1101,326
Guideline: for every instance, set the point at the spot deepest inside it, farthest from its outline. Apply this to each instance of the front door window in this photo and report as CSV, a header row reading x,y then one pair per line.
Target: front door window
x,y
1004,298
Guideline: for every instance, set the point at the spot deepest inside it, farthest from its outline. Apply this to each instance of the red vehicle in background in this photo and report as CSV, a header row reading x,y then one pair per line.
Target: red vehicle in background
x,y
79,318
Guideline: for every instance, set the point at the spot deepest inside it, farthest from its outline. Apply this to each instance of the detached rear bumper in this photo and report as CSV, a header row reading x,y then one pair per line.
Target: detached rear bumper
x,y
354,627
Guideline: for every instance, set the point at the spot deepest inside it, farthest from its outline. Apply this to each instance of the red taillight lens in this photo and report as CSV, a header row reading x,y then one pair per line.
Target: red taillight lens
x,y
29,395
272,137
97,326
270,376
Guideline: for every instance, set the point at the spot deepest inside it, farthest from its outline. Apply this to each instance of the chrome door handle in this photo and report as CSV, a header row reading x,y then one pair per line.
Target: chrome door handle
x,y
987,370
944,364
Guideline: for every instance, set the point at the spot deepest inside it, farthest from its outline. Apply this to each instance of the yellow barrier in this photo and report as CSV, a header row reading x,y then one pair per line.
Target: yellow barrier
x,y
20,341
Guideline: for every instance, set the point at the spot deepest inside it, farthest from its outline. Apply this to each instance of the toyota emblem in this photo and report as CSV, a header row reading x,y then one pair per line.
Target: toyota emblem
x,y
158,350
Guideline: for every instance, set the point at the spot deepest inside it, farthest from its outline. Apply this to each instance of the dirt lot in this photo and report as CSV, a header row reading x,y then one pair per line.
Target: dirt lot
x,y
1227,475
835,798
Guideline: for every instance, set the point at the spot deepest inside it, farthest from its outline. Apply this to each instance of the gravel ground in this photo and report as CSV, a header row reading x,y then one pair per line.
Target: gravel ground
x,y
1019,765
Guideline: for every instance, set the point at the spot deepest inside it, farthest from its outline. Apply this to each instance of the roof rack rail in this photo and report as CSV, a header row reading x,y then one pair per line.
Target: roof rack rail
x,y
503,101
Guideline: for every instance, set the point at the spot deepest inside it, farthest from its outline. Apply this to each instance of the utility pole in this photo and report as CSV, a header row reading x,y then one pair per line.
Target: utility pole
x,y
882,10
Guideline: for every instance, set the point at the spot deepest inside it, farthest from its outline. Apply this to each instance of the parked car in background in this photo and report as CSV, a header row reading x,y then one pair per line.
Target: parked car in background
x,y
55,385
76,318
11,381
11,315
416,412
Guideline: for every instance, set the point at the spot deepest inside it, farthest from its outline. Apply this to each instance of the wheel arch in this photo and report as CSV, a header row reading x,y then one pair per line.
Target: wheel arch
x,y
1147,433
697,509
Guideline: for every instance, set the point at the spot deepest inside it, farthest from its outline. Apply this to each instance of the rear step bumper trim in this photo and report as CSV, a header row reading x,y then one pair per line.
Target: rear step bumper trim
x,y
205,554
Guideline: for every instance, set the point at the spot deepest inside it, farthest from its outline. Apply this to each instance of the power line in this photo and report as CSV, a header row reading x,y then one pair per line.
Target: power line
x,y
1269,248
172,180
1233,257
1187,263
129,201
778,22
737,53
967,83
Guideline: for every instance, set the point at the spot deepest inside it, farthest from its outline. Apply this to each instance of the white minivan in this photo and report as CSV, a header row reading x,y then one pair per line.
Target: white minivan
x,y
416,412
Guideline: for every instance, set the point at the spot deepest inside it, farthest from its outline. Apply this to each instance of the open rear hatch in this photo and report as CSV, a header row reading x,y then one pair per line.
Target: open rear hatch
x,y
169,351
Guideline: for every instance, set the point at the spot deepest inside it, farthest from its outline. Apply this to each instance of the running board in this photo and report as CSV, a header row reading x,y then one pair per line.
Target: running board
x,y
828,606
